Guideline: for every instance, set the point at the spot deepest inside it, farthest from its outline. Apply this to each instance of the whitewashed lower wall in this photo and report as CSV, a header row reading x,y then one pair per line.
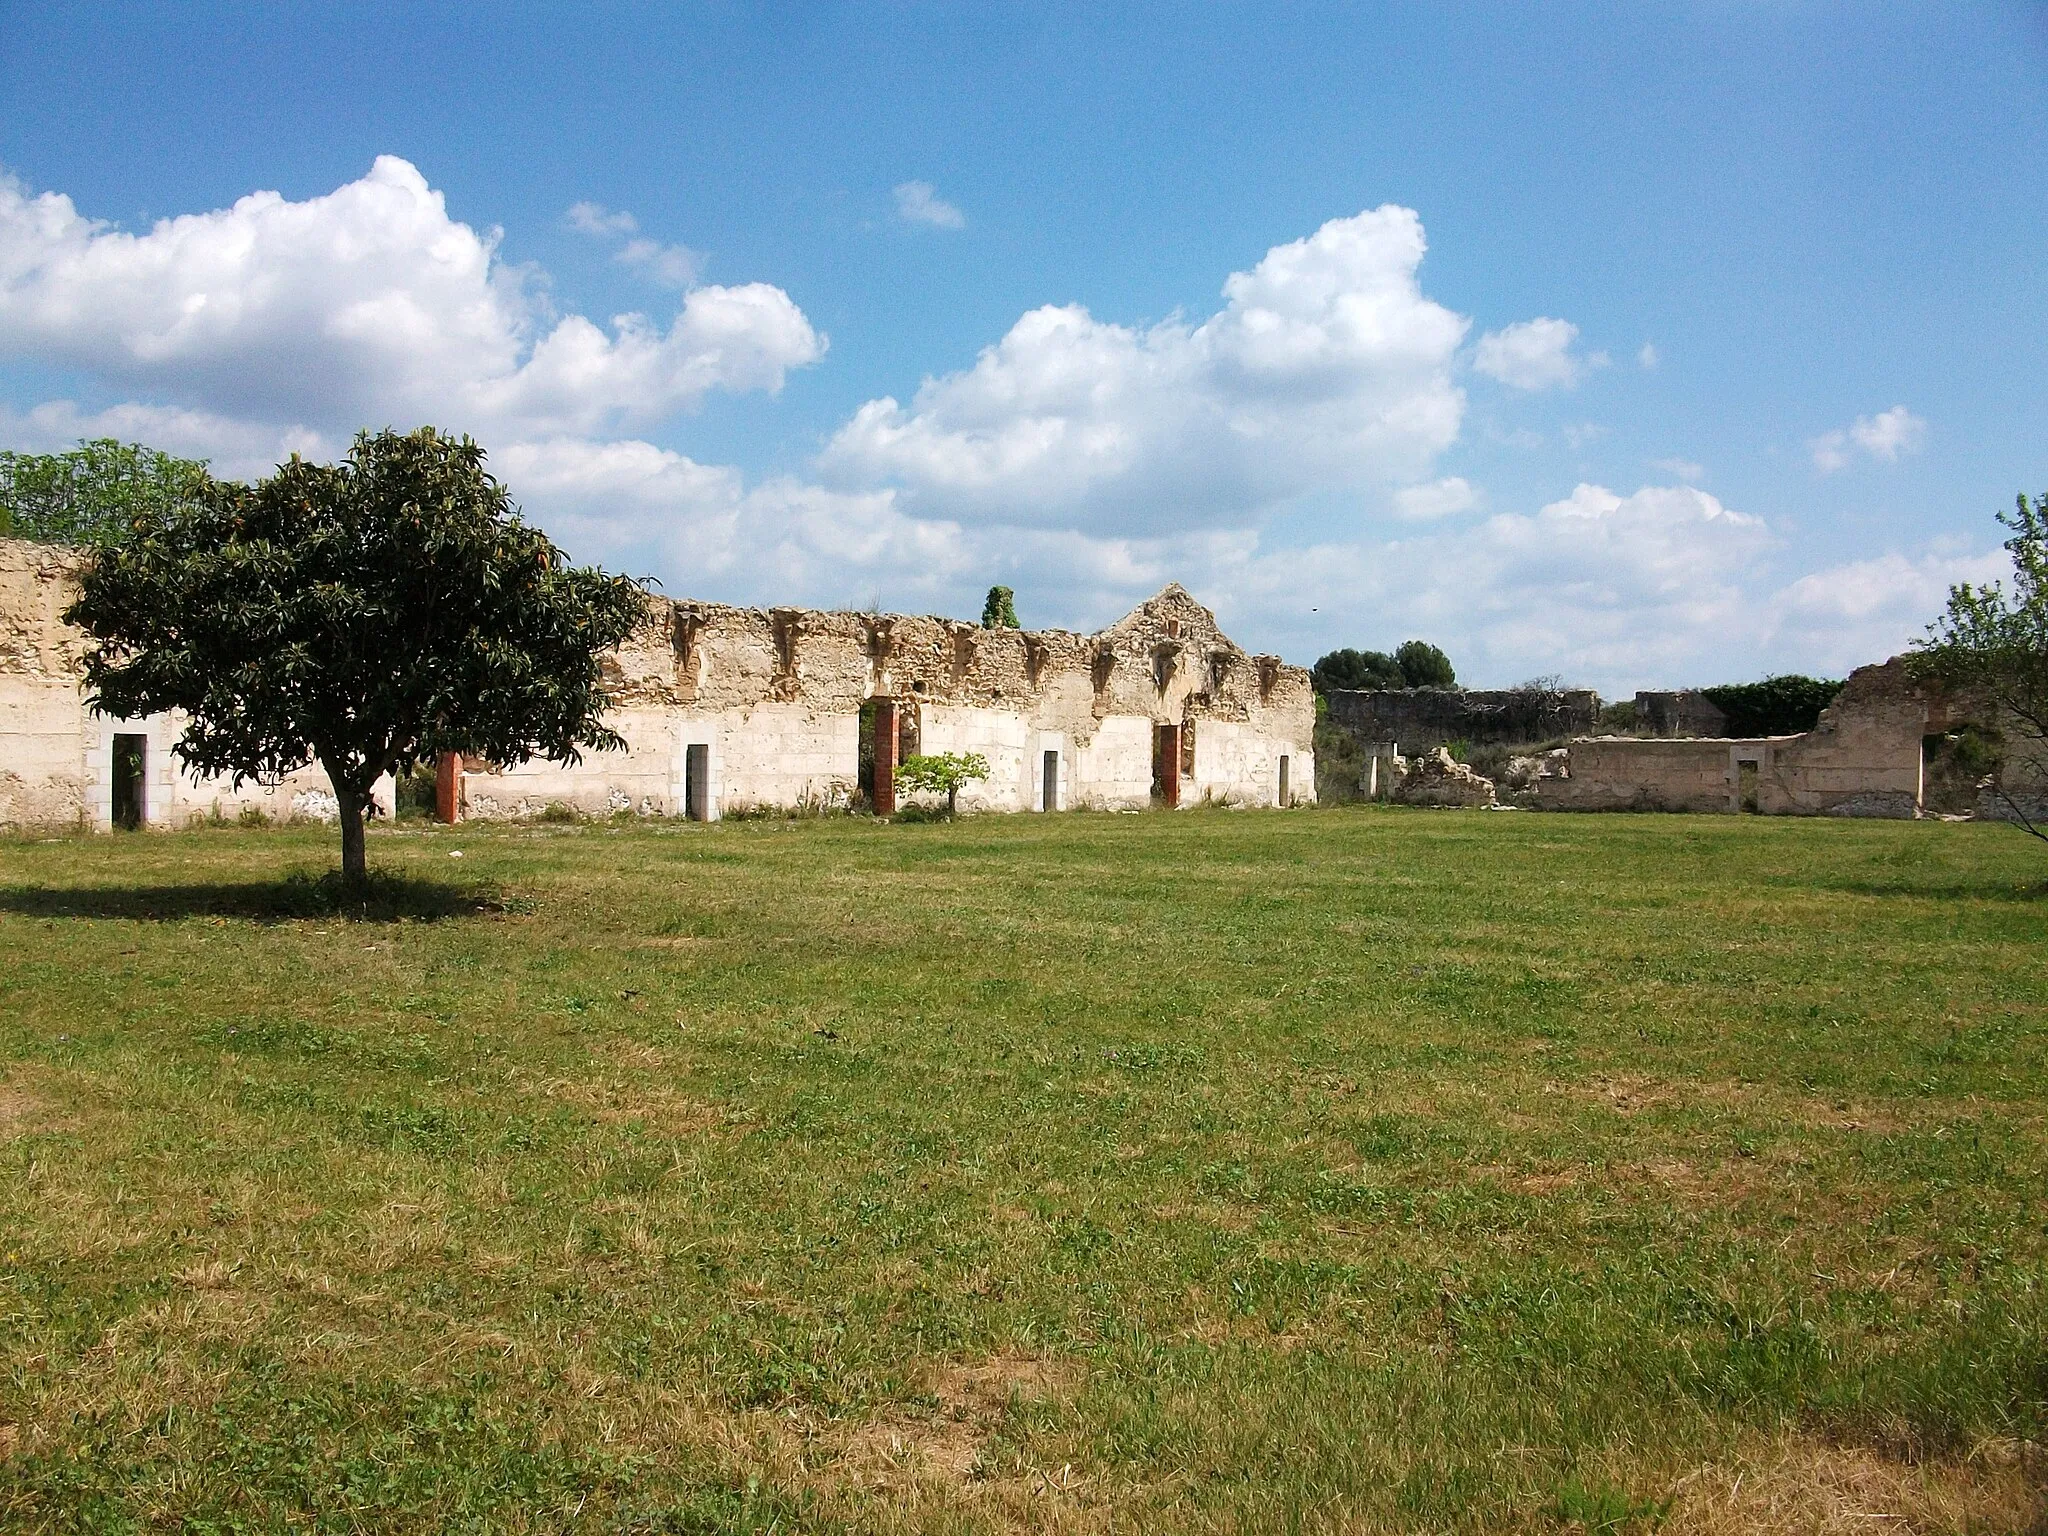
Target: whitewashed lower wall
x,y
1002,736
42,753
784,755
1113,769
57,757
1239,765
769,754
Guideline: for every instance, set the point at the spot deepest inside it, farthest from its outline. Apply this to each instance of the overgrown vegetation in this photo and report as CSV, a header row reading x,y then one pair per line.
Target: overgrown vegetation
x,y
1777,706
999,610
1336,1171
96,492
941,773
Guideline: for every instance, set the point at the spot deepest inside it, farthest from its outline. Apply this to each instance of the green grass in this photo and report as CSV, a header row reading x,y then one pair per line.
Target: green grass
x,y
1328,1170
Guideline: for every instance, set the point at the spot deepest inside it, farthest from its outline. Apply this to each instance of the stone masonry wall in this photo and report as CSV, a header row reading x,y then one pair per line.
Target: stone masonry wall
x,y
775,697
56,755
1863,758
1418,720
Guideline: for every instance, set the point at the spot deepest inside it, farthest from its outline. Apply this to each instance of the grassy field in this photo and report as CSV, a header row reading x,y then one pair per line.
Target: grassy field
x,y
1340,1170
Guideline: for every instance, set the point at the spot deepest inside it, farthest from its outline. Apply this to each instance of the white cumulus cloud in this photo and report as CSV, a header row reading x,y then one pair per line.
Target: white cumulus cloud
x,y
1533,354
1437,498
918,202
1864,610
368,303
1083,462
1884,436
1326,368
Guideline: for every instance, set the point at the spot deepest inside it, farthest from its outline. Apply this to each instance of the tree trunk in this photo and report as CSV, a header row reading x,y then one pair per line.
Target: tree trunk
x,y
355,869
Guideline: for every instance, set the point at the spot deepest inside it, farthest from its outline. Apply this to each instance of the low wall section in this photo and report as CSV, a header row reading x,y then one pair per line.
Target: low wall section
x,y
1862,759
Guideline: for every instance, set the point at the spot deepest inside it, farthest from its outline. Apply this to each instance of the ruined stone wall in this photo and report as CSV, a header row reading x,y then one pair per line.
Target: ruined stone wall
x,y
1679,712
42,724
1863,758
772,695
775,695
1418,720
1633,773
56,755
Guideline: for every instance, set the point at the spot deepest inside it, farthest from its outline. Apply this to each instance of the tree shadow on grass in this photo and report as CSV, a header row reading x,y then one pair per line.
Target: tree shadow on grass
x,y
382,899
1933,890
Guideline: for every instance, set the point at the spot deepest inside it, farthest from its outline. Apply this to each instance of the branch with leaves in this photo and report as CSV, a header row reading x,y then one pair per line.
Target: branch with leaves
x,y
1992,644
942,773
98,491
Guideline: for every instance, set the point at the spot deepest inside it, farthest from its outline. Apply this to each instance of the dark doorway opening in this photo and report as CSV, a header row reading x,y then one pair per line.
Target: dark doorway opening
x,y
131,765
1958,766
1746,777
1049,790
882,727
1166,766
697,781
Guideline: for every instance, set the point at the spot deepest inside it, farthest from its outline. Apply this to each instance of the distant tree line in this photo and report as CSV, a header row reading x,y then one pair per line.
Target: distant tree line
x,y
1415,664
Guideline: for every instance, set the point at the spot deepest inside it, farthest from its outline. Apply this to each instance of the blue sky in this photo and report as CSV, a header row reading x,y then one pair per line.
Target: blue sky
x,y
1724,349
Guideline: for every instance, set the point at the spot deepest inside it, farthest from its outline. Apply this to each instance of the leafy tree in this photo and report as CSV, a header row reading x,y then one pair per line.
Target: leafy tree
x,y
1993,644
1348,669
1777,706
1424,666
366,615
1000,611
95,492
944,773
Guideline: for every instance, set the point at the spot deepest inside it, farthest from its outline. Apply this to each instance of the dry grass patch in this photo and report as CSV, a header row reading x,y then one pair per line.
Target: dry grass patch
x,y
1801,1486
947,1444
18,1110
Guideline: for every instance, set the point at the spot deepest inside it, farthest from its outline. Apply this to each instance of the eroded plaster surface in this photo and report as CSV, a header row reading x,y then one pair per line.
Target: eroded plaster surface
x,y
771,699
774,696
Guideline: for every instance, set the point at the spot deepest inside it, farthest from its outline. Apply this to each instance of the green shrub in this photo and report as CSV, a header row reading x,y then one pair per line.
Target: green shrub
x,y
1777,706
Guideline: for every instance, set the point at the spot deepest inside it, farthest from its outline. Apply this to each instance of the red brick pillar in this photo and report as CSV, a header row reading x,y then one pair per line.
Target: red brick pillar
x,y
448,788
1169,766
885,757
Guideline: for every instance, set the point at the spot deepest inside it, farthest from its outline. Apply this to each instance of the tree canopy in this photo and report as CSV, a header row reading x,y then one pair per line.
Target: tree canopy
x,y
1424,666
93,493
1416,664
1349,669
1000,610
365,615
1992,643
